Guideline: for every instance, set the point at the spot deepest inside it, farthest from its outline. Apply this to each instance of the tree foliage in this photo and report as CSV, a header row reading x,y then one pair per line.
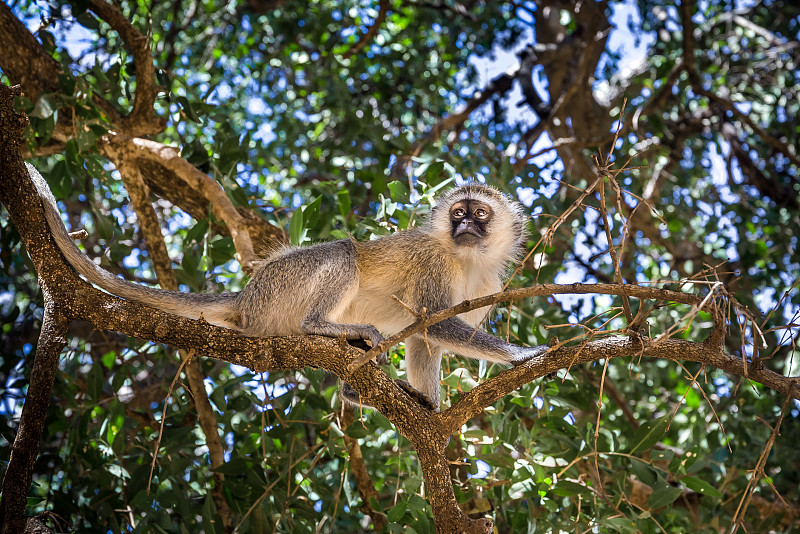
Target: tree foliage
x,y
322,120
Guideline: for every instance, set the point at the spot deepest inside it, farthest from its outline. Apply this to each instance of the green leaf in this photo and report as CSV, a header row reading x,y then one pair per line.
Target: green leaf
x,y
399,192
187,108
197,233
85,140
115,423
644,472
211,523
620,524
118,471
297,233
30,138
94,166
647,435
397,512
663,496
109,358
662,456
311,212
88,20
190,261
45,107
259,523
565,488
498,459
343,198
461,378
506,171
701,486
356,430
95,382
45,128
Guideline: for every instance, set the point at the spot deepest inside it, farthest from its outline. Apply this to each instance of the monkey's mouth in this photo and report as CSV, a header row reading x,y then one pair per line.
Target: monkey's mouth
x,y
467,236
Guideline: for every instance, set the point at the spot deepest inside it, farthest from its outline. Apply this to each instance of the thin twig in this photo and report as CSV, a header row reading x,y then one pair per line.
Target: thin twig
x,y
164,416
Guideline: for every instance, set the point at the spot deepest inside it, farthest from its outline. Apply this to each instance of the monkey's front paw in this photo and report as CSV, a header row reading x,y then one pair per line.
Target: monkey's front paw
x,y
417,395
528,353
381,359
369,332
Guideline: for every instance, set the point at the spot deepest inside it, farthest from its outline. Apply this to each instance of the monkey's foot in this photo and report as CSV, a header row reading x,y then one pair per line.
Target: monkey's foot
x,y
528,353
352,397
417,395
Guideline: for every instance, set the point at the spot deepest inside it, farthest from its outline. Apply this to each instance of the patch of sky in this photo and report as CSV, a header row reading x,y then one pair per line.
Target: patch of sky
x,y
132,260
527,196
77,39
482,468
220,93
256,106
264,133
630,47
499,61
719,173
722,386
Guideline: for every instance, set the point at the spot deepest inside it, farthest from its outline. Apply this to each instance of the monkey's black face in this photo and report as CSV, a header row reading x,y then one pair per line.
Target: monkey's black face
x,y
469,220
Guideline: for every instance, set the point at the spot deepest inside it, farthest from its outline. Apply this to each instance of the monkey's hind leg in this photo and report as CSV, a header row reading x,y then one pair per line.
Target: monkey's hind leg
x,y
423,368
351,396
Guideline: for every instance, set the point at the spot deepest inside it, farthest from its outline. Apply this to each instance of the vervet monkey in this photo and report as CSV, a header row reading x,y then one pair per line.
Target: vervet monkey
x,y
345,288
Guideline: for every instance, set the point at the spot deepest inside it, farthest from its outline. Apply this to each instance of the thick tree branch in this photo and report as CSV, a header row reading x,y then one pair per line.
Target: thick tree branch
x,y
24,60
472,402
142,119
25,449
119,146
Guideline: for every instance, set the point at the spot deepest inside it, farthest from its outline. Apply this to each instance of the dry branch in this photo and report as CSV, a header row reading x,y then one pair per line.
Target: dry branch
x,y
120,146
626,290
373,30
142,119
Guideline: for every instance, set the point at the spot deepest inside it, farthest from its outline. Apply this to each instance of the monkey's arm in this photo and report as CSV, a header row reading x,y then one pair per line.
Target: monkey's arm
x,y
456,335
424,353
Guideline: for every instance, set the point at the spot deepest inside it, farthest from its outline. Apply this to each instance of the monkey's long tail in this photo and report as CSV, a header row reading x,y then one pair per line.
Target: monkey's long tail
x,y
215,308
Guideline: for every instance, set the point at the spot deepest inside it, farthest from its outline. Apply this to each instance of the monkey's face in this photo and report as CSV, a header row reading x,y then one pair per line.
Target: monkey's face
x,y
469,220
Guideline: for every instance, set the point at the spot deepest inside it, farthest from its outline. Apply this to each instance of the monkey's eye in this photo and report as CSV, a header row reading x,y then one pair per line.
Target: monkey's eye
x,y
481,213
459,212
